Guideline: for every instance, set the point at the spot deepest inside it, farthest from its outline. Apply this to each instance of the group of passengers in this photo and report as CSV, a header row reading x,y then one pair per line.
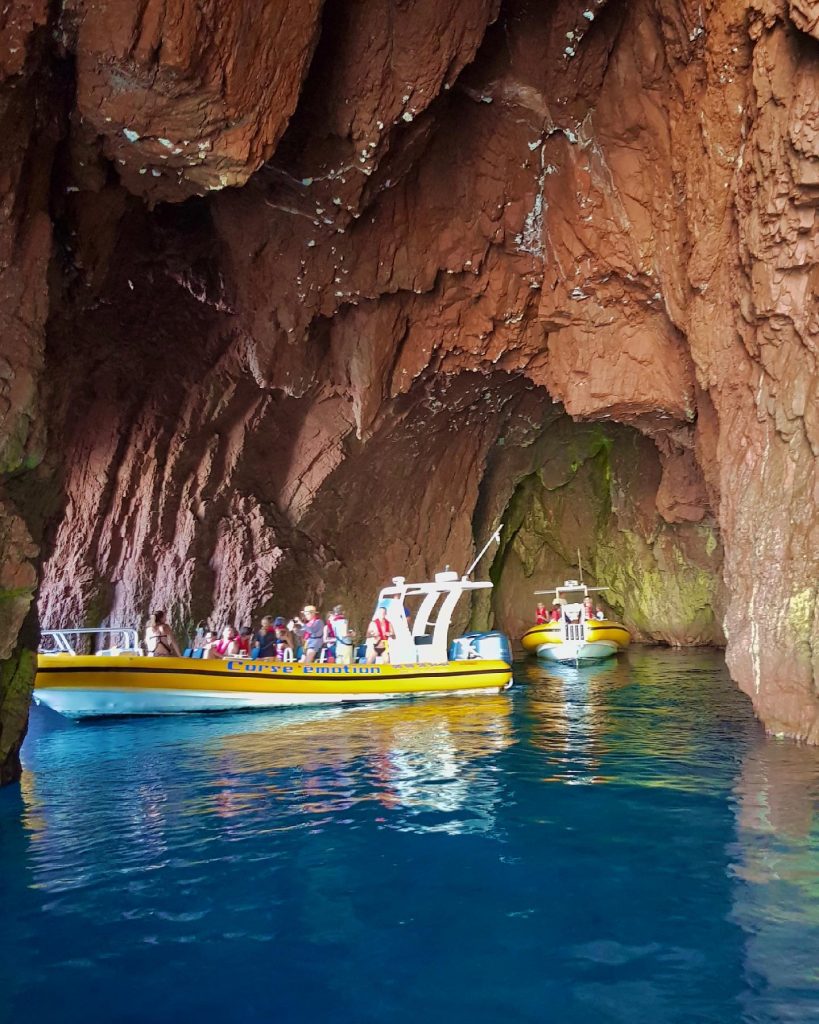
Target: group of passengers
x,y
570,612
305,638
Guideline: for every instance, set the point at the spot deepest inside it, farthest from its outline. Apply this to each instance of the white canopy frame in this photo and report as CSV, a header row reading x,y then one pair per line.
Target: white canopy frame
x,y
428,640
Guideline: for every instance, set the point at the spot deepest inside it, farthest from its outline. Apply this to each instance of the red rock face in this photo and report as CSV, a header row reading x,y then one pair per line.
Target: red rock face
x,y
459,230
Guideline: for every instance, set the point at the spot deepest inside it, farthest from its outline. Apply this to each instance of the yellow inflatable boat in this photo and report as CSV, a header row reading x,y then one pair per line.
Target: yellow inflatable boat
x,y
117,682
575,639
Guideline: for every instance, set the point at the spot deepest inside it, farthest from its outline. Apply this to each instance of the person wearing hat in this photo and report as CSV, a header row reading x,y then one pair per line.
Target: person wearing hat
x,y
556,610
312,632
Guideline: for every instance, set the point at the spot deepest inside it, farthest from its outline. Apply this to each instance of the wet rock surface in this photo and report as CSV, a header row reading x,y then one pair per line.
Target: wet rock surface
x,y
406,270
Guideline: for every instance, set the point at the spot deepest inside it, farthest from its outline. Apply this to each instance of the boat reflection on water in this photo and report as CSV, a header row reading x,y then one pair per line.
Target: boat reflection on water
x,y
568,713
424,764
424,756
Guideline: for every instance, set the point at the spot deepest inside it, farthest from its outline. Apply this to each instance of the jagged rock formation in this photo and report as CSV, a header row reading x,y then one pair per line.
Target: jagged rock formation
x,y
333,288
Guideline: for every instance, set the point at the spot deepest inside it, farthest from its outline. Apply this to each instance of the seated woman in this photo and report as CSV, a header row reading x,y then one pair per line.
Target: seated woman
x,y
228,646
379,634
159,640
209,645
541,614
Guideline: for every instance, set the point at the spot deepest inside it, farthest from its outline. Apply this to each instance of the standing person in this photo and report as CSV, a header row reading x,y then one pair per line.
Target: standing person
x,y
343,635
313,633
379,633
159,640
265,639
541,614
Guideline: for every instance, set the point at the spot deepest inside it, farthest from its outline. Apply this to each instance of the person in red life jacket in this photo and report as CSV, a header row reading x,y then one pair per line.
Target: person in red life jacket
x,y
227,645
379,633
541,614
312,632
243,641
556,610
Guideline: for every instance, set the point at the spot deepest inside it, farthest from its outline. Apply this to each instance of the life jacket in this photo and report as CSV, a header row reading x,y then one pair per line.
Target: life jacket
x,y
383,628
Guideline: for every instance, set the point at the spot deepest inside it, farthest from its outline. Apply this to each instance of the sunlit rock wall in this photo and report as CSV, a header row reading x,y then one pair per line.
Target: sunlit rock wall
x,y
337,288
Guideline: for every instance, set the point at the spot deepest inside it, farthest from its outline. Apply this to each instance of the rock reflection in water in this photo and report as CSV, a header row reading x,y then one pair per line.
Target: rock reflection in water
x,y
775,864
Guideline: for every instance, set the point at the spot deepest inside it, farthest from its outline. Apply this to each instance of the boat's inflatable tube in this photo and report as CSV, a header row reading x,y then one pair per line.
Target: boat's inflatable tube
x,y
596,629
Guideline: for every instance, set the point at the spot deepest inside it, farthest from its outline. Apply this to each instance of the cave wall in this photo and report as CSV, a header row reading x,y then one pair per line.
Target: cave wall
x,y
327,281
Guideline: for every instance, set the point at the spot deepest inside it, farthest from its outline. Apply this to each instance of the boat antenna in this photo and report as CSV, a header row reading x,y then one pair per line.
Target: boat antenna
x,y
580,565
495,537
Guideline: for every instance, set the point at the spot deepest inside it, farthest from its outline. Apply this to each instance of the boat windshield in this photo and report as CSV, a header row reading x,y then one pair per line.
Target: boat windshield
x,y
103,641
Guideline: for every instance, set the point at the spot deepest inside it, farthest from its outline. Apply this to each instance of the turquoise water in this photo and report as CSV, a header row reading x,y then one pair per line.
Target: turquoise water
x,y
615,844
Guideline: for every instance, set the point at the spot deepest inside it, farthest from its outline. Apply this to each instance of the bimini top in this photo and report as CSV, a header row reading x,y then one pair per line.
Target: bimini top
x,y
428,639
571,586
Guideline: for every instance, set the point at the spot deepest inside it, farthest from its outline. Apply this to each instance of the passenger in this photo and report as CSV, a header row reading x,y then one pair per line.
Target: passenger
x,y
284,643
227,645
199,639
265,640
209,644
312,633
541,614
159,640
344,647
243,642
590,611
554,615
379,634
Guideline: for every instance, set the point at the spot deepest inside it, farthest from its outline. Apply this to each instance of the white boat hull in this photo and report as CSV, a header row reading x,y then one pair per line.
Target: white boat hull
x,y
578,652
102,703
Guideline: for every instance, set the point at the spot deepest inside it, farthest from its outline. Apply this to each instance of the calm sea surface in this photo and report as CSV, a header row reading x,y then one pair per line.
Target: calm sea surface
x,y
619,843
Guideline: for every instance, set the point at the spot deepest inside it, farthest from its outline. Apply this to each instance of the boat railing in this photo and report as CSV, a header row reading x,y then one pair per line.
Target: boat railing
x,y
121,640
575,631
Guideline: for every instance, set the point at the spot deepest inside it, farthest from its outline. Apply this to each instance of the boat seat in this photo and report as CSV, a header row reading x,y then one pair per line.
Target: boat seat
x,y
188,652
197,653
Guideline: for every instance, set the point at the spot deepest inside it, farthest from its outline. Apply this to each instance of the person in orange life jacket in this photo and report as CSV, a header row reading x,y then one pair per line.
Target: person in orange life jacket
x,y
313,633
265,640
541,615
379,632
159,640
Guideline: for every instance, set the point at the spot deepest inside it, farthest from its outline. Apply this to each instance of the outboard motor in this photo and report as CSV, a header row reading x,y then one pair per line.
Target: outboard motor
x,y
493,646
